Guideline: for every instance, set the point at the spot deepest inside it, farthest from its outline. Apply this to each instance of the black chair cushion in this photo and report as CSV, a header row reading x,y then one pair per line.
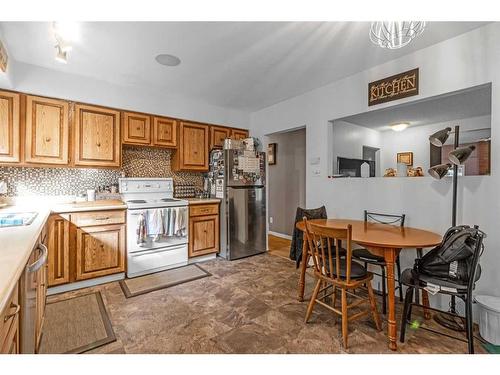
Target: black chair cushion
x,y
357,270
409,275
365,256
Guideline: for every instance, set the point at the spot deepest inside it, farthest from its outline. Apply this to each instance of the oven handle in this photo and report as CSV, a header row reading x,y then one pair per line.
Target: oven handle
x,y
40,261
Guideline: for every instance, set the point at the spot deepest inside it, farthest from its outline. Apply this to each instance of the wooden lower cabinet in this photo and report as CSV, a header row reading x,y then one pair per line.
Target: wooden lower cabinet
x,y
9,324
100,251
203,230
85,245
58,244
41,299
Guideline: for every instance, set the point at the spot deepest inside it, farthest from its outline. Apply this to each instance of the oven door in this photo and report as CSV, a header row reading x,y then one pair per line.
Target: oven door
x,y
151,243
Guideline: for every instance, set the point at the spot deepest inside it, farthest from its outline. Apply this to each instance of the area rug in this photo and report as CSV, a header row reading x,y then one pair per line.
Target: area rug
x,y
161,280
76,325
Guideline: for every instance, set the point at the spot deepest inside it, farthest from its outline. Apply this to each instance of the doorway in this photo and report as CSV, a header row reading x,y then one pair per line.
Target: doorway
x,y
287,187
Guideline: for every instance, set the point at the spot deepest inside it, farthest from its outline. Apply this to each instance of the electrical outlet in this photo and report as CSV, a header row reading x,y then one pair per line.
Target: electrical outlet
x,y
270,219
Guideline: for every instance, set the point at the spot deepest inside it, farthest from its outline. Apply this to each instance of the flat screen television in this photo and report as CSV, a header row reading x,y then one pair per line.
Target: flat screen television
x,y
352,167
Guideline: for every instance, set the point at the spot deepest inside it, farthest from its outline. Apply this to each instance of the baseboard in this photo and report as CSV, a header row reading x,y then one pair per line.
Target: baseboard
x,y
281,235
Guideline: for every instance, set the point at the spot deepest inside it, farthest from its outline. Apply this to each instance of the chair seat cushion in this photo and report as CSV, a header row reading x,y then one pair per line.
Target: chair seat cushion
x,y
357,270
408,278
365,256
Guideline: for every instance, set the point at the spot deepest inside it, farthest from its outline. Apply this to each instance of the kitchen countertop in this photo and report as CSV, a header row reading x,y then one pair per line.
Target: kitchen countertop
x,y
17,242
89,206
203,200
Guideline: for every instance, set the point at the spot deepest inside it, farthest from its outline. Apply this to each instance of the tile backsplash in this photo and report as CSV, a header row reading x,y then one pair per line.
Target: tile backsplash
x,y
136,162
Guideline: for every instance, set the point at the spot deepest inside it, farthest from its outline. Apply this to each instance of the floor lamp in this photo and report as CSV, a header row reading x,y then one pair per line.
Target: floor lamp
x,y
457,157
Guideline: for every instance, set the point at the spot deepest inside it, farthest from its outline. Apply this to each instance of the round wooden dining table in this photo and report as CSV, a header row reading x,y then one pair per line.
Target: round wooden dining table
x,y
380,239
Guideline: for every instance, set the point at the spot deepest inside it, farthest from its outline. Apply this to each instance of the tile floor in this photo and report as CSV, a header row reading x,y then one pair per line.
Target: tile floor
x,y
246,306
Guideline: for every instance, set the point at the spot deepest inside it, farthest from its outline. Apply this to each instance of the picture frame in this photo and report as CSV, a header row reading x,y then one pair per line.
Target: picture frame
x,y
406,158
271,153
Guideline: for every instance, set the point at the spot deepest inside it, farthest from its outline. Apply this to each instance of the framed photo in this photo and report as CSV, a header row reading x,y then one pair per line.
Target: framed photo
x,y
406,158
271,153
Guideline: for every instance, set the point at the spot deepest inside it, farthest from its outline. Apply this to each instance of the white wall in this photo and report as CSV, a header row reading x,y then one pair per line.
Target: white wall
x,y
41,81
6,77
348,141
468,60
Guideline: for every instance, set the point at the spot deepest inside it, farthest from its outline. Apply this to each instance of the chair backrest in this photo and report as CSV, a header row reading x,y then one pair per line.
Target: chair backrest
x,y
297,238
480,236
385,218
324,246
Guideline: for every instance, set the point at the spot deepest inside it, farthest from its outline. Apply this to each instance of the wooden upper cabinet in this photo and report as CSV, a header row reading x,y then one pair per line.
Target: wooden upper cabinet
x,y
164,132
239,134
97,136
9,127
47,131
193,148
136,129
217,136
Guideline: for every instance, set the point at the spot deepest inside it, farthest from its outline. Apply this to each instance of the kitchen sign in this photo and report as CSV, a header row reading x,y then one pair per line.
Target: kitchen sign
x,y
395,87
3,58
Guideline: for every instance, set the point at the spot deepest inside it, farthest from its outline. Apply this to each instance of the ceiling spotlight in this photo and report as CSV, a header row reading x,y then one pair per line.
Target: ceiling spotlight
x,y
400,127
168,60
61,56
460,155
439,138
66,30
394,35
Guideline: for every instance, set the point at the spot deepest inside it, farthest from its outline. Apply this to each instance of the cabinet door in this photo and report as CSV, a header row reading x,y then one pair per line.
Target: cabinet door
x,y
193,152
41,294
239,134
58,245
9,324
47,131
100,251
136,128
218,135
164,132
97,136
203,235
9,127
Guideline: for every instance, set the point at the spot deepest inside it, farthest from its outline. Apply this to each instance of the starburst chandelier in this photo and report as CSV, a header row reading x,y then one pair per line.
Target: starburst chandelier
x,y
395,34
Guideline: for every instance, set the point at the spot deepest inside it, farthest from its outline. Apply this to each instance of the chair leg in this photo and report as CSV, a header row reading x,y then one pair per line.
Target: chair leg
x,y
344,317
406,317
398,267
469,324
373,305
384,292
313,299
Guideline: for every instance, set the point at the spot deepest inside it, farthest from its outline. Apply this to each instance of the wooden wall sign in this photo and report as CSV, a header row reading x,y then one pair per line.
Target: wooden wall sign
x,y
392,88
3,58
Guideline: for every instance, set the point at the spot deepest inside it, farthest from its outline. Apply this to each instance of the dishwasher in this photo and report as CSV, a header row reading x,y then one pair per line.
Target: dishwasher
x,y
29,297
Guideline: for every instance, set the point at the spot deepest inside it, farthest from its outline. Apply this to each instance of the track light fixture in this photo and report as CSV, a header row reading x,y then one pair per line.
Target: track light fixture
x,y
61,56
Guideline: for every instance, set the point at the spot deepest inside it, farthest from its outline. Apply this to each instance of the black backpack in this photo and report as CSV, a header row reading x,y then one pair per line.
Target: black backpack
x,y
452,259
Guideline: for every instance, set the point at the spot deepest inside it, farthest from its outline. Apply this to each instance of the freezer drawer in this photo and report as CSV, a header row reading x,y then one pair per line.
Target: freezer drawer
x,y
246,222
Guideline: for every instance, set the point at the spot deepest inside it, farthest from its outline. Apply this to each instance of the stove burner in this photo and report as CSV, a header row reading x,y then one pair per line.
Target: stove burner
x,y
169,200
136,201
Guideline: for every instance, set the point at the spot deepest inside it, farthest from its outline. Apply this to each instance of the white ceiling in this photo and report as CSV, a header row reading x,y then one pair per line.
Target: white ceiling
x,y
462,104
241,65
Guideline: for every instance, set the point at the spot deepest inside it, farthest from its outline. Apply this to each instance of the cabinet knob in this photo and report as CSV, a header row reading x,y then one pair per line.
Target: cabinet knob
x,y
138,128
47,139
98,144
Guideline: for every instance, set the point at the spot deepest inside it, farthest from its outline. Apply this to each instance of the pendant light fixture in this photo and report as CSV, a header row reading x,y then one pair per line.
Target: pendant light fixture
x,y
395,34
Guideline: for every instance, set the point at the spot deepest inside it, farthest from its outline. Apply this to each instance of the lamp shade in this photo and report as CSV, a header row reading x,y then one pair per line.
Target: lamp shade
x,y
460,155
439,138
439,171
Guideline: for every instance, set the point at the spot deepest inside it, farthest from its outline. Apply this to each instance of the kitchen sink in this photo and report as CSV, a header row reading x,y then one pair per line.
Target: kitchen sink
x,y
15,219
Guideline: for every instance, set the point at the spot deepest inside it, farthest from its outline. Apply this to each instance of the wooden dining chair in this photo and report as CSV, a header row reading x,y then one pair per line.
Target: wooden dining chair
x,y
340,272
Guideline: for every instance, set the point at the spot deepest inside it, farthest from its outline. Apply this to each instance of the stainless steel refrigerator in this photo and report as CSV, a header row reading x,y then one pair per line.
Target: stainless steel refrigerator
x,y
238,177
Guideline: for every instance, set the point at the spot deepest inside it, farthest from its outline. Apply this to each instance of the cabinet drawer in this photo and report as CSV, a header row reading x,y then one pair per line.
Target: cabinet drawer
x,y
204,209
9,323
87,219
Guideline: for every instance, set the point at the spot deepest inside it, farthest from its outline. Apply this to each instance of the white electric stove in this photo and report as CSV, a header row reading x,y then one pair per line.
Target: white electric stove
x,y
156,253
